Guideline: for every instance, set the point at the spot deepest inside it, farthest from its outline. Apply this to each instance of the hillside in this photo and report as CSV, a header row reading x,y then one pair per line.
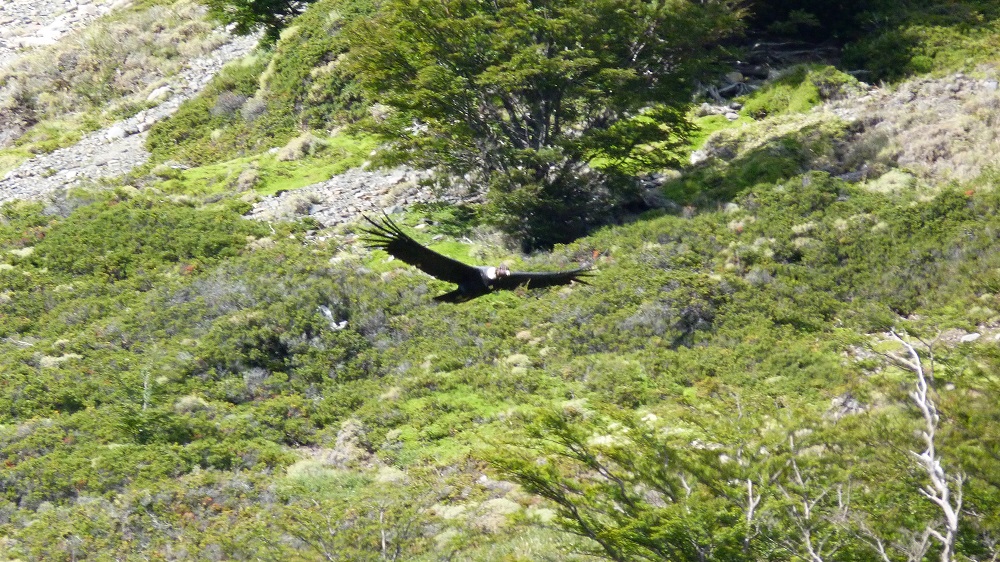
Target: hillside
x,y
788,351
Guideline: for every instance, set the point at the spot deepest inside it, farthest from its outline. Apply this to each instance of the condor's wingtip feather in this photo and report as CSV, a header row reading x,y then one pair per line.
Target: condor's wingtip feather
x,y
577,274
386,223
371,222
581,275
383,233
381,229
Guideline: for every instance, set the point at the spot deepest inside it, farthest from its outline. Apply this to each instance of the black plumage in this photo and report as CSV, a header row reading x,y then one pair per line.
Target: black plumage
x,y
472,280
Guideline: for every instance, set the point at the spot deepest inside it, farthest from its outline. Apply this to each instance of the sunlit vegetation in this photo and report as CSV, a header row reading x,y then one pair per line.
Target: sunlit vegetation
x,y
800,89
772,364
193,362
298,164
267,99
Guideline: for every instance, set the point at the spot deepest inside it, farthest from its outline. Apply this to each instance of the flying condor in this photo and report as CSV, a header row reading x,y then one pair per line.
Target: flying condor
x,y
472,280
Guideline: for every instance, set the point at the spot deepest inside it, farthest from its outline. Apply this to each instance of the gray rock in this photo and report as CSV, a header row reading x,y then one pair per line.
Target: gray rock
x,y
698,156
159,94
115,132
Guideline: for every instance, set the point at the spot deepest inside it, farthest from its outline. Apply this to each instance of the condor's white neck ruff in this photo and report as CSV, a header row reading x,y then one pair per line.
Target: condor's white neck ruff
x,y
491,273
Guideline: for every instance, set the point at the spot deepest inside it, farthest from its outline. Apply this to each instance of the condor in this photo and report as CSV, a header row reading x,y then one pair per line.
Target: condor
x,y
472,280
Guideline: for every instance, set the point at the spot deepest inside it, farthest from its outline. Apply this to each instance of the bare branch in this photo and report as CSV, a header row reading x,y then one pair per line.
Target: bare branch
x,y
944,490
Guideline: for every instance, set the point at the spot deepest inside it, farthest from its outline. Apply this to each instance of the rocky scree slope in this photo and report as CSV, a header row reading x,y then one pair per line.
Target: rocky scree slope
x,y
120,147
33,23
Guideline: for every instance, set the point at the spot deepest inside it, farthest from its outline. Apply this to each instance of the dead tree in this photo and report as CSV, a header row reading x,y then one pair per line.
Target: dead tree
x,y
944,489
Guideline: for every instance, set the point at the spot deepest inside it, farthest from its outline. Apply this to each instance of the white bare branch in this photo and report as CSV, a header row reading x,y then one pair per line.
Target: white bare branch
x,y
944,490
873,539
809,516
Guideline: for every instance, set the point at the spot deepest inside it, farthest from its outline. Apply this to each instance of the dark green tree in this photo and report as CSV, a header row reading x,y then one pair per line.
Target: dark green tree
x,y
548,104
248,16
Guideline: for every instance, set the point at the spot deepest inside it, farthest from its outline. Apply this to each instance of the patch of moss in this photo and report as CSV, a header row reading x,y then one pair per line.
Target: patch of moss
x,y
798,90
331,156
761,152
708,125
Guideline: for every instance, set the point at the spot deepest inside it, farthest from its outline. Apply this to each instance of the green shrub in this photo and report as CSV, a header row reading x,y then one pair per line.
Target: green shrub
x,y
926,37
758,154
119,239
188,136
268,99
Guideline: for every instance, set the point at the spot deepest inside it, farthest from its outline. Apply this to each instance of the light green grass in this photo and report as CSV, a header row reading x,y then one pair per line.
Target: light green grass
x,y
338,155
11,158
798,90
707,125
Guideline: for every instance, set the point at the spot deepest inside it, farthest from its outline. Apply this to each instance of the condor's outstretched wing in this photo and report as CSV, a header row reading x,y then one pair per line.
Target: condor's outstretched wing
x,y
542,278
386,235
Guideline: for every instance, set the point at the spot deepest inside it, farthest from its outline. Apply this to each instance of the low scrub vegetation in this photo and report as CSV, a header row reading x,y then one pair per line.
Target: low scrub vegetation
x,y
264,101
240,392
791,356
926,36
800,89
296,165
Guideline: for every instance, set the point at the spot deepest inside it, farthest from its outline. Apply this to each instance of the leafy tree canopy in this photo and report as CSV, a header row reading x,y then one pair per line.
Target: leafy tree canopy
x,y
544,102
248,16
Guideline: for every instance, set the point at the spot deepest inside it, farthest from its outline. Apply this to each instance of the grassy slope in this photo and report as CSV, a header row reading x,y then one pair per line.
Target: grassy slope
x,y
100,74
173,382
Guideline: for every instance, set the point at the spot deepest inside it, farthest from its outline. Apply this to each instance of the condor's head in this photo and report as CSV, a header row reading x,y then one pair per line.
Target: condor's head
x,y
497,273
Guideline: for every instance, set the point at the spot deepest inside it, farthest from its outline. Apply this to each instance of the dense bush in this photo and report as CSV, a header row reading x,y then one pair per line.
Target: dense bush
x,y
885,39
249,16
895,41
264,353
120,239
